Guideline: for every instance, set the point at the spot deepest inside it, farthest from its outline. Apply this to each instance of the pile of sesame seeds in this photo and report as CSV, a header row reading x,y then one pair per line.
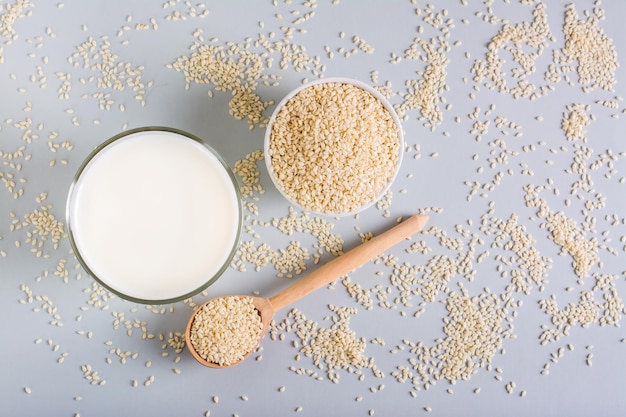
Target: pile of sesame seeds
x,y
333,148
571,239
430,47
426,92
574,122
241,67
251,189
479,319
330,349
109,73
231,69
509,39
588,46
41,227
585,44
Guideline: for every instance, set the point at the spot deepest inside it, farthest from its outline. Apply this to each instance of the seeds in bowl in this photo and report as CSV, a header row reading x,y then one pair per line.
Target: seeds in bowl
x,y
333,148
226,329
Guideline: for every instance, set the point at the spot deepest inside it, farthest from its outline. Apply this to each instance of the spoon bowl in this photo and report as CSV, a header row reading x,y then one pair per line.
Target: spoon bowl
x,y
338,267
263,307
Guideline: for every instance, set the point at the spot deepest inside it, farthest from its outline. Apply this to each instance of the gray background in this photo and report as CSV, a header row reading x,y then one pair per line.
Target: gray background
x,y
435,180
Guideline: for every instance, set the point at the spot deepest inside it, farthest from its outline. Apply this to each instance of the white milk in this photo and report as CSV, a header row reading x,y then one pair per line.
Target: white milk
x,y
154,215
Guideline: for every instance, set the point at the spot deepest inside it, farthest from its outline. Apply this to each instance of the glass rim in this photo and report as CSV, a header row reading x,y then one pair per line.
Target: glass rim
x,y
68,217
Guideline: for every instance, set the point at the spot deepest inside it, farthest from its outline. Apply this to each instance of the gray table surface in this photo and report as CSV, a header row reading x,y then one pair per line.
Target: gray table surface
x,y
471,164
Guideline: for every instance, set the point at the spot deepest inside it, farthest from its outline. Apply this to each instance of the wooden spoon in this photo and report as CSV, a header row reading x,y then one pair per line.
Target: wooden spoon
x,y
324,275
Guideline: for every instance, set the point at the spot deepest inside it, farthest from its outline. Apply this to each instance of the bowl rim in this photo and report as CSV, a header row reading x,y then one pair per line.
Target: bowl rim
x,y
68,217
342,80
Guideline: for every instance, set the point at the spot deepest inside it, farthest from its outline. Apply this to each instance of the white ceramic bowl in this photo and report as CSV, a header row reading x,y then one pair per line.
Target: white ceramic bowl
x,y
342,80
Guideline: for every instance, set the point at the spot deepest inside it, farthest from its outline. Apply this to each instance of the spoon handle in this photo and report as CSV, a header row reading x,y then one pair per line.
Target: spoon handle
x,y
349,261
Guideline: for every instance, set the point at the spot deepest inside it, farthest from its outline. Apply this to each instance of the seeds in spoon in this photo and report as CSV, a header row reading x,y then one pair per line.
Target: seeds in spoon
x,y
226,329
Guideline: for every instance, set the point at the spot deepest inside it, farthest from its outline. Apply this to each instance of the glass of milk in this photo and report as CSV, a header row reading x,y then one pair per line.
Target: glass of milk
x,y
154,215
